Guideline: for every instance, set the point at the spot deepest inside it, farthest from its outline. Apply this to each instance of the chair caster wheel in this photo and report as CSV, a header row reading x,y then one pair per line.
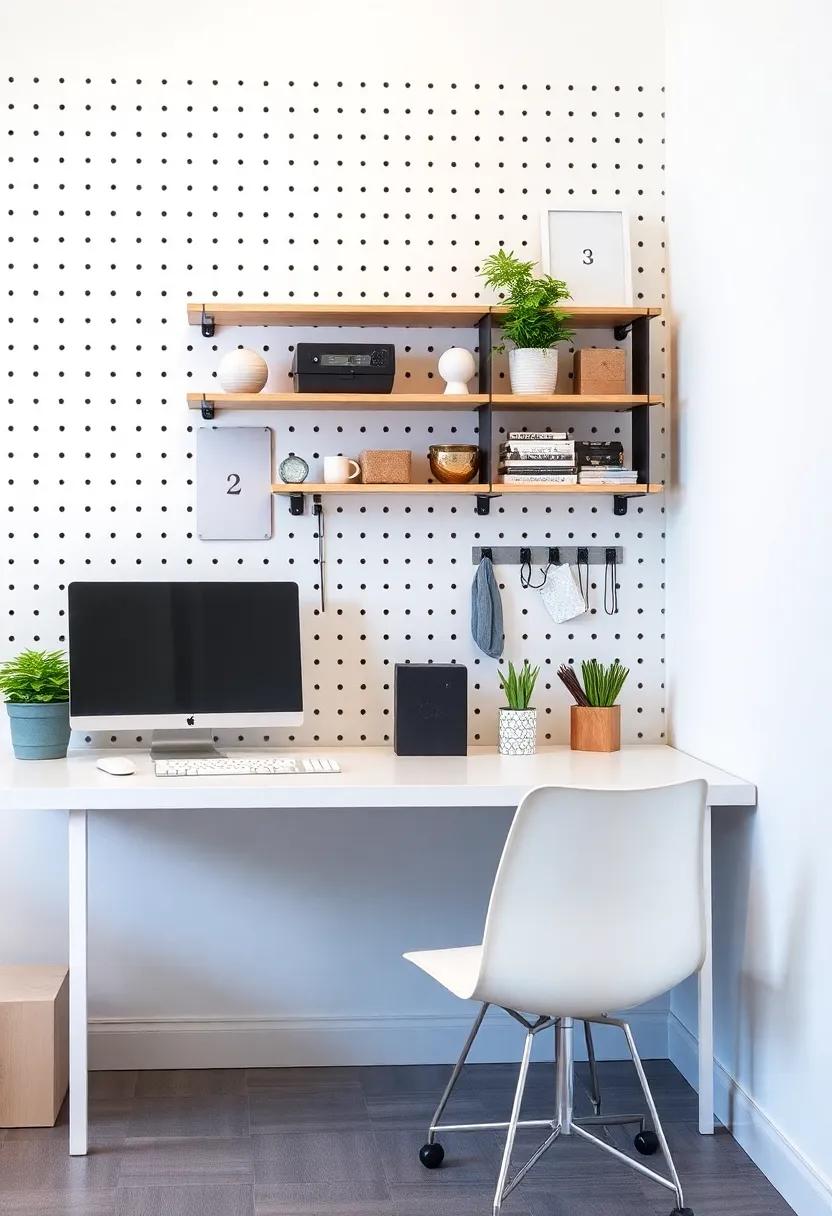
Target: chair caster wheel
x,y
647,1143
682,1212
432,1156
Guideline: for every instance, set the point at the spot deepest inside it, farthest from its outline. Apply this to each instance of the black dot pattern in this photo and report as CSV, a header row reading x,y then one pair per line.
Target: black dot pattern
x,y
125,198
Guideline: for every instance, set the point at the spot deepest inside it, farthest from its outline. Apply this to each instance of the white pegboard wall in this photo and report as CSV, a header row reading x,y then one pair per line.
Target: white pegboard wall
x,y
128,197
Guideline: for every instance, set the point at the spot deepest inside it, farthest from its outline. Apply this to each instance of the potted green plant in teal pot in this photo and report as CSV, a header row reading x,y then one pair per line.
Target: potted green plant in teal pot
x,y
36,688
532,323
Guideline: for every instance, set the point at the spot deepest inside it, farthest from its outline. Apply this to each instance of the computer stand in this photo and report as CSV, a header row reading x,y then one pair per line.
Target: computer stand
x,y
182,745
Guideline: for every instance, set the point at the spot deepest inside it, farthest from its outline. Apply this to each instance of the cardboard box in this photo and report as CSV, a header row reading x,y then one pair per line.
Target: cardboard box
x,y
388,467
34,1044
600,371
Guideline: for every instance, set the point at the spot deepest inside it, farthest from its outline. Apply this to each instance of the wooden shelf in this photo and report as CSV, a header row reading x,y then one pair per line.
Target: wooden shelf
x,y
471,488
572,401
465,316
338,401
542,488
317,487
585,316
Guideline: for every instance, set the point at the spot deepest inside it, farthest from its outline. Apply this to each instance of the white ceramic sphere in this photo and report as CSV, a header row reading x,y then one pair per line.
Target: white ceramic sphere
x,y
456,367
242,371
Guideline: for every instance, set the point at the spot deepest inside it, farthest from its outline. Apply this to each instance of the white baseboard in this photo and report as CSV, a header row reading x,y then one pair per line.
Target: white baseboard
x,y
119,1043
797,1180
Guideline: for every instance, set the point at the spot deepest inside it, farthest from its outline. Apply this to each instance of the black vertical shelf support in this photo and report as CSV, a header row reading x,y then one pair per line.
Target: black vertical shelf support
x,y
640,414
485,412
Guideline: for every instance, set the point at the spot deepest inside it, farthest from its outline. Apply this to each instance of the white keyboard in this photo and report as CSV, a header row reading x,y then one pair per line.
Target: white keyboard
x,y
246,766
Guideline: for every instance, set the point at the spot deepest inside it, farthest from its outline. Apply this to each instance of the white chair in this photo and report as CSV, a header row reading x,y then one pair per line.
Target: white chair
x,y
559,945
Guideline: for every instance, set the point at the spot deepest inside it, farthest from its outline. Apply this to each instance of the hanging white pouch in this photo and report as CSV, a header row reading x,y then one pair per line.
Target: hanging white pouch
x,y
561,596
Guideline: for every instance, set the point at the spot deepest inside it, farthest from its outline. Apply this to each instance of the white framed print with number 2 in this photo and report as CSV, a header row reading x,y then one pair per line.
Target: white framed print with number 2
x,y
590,251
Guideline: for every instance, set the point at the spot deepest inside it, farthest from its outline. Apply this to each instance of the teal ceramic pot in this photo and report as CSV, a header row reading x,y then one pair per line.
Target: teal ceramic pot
x,y
39,732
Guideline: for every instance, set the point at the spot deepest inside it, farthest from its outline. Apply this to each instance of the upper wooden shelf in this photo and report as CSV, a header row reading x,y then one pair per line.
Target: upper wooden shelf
x,y
373,487
338,401
586,316
398,315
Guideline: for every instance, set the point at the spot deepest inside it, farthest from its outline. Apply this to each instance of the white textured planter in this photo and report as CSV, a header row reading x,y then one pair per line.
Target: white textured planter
x,y
518,732
533,370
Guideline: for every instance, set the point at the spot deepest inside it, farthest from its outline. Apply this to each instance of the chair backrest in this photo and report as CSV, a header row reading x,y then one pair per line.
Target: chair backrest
x,y
598,903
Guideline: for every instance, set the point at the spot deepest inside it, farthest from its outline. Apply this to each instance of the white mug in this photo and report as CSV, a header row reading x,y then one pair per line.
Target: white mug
x,y
340,469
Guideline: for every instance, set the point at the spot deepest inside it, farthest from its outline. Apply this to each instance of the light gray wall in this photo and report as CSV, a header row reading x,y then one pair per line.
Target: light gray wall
x,y
749,587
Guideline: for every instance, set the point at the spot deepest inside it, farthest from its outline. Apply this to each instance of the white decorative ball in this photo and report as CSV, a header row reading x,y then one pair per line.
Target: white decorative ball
x,y
242,371
456,367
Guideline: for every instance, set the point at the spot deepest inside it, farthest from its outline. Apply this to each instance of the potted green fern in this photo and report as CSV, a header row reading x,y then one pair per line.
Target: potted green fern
x,y
36,688
533,323
518,720
595,718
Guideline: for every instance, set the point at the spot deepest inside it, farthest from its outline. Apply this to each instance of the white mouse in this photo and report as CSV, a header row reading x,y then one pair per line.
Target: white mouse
x,y
116,766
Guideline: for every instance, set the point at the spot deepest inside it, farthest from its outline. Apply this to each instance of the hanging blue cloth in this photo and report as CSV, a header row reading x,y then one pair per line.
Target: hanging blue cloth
x,y
487,610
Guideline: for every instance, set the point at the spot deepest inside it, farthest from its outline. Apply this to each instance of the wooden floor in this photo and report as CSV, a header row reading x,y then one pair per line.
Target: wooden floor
x,y
344,1142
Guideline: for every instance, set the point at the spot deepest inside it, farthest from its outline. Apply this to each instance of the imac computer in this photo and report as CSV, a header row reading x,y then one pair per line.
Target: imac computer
x,y
182,659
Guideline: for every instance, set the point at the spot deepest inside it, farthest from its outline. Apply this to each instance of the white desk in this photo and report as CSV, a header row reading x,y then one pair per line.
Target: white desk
x,y
369,777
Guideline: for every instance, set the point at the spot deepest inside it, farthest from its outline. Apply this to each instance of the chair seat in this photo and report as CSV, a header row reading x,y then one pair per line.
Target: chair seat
x,y
456,969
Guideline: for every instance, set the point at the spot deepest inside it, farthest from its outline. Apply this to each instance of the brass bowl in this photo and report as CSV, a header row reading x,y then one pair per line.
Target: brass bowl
x,y
454,463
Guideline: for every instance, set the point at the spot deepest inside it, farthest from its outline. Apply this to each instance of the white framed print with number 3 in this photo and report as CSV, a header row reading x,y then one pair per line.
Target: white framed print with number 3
x,y
590,250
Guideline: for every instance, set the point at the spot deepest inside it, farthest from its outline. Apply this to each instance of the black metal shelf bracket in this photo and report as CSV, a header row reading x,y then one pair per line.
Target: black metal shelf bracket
x,y
620,332
207,409
484,503
296,504
206,324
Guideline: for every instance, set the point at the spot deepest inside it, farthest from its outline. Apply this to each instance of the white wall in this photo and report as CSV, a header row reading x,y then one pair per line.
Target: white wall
x,y
749,587
278,938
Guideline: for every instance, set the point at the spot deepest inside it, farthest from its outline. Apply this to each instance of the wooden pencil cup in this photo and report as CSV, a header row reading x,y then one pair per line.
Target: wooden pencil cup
x,y
595,728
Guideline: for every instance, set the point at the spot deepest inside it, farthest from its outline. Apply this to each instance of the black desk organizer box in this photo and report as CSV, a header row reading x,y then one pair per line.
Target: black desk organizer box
x,y
344,367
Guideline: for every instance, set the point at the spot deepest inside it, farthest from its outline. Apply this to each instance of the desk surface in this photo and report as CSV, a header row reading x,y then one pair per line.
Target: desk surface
x,y
369,777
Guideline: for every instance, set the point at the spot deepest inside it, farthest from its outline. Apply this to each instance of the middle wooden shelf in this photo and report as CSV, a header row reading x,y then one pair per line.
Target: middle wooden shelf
x,y
417,401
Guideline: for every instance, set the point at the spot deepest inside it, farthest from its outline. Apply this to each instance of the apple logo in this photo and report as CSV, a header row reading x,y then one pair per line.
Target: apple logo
x,y
190,720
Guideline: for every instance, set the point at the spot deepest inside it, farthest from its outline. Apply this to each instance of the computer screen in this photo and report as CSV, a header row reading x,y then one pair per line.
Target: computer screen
x,y
184,654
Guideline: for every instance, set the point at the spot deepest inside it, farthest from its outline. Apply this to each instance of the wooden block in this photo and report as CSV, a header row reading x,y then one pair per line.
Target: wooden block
x,y
595,728
600,371
34,1044
390,467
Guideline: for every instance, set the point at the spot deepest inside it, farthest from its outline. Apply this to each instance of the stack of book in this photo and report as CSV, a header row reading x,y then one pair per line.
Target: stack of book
x,y
529,457
607,477
602,464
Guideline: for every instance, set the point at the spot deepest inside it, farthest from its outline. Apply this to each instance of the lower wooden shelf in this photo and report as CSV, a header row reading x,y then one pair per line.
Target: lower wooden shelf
x,y
316,487
542,488
471,488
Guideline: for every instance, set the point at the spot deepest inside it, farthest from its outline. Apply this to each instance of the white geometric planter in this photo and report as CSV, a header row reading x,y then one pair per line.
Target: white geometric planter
x,y
518,732
533,370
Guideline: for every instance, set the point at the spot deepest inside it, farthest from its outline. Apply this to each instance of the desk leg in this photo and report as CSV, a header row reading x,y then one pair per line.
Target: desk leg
x,y
706,1002
77,983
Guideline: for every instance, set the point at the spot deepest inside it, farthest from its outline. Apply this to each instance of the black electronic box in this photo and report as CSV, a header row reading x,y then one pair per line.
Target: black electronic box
x,y
430,711
344,367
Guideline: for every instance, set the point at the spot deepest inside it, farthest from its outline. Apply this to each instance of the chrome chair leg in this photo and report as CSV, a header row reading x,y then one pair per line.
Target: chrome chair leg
x,y
511,1131
595,1089
672,1183
431,1154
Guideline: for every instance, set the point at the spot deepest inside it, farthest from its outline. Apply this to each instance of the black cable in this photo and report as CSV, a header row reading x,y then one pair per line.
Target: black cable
x,y
611,583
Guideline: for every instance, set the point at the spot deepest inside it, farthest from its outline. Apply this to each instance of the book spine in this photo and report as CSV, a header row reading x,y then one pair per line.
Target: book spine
x,y
565,467
554,479
536,436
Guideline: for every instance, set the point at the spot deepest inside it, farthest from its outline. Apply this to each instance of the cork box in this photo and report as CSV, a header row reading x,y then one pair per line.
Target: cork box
x,y
34,1044
600,372
387,467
